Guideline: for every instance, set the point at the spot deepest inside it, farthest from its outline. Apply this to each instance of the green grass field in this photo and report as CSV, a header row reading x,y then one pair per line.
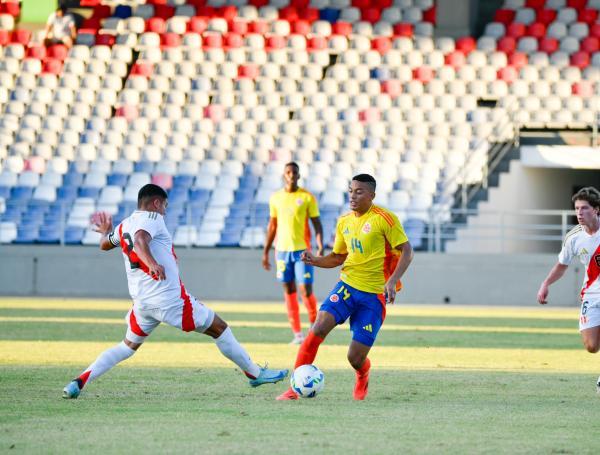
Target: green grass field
x,y
444,380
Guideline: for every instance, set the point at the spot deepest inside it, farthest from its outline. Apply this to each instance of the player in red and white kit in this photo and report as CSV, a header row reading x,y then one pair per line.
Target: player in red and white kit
x,y
583,242
158,293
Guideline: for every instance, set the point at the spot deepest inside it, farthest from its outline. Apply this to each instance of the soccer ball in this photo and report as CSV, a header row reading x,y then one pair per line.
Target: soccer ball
x,y
307,381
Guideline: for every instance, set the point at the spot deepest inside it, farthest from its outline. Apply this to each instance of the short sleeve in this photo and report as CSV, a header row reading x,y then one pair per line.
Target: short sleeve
x,y
51,19
394,232
313,207
566,253
153,224
113,237
272,207
339,244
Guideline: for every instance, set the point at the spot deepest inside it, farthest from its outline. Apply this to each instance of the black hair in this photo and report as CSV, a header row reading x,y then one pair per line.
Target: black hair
x,y
150,191
292,163
366,178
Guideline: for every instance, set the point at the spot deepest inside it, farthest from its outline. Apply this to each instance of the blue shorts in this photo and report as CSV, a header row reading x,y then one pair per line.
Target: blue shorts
x,y
291,268
365,310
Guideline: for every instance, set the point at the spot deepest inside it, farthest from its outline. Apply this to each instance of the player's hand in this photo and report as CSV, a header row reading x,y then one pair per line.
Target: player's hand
x,y
389,291
265,261
542,295
102,222
157,271
308,258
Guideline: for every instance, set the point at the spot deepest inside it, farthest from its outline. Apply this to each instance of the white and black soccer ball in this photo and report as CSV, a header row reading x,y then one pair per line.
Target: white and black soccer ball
x,y
307,381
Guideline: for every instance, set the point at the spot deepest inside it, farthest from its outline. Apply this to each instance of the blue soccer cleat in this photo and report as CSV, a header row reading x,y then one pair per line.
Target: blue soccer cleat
x,y
267,376
71,390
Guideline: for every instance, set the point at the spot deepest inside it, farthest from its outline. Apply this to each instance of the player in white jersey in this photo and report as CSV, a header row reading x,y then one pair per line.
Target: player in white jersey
x,y
583,242
158,293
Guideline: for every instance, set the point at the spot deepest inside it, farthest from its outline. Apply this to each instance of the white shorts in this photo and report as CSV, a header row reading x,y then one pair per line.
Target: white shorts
x,y
589,315
186,314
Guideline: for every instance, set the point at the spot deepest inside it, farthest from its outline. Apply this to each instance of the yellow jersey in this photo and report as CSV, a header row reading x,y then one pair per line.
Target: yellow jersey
x,y
370,240
292,211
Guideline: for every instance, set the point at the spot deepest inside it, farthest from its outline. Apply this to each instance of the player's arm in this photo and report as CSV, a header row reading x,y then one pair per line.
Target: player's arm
x,y
102,223
326,262
316,222
555,274
271,232
403,263
141,245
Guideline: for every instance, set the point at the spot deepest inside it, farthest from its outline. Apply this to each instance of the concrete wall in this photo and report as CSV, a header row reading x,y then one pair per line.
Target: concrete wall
x,y
236,274
522,188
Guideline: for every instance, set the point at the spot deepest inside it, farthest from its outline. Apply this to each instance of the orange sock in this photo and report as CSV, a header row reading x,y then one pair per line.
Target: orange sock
x,y
291,302
366,366
308,350
311,307
361,388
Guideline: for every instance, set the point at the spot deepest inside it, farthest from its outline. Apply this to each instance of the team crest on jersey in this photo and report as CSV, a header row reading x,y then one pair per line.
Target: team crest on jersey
x,y
299,202
366,228
334,298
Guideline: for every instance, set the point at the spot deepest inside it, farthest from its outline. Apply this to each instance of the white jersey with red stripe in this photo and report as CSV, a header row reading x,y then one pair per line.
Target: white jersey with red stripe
x,y
578,243
146,291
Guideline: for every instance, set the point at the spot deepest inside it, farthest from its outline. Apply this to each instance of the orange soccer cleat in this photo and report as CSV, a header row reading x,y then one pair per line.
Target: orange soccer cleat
x,y
289,394
361,388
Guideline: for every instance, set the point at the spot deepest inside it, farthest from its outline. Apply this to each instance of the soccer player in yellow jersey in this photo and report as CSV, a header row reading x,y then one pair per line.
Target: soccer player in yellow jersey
x,y
290,209
374,252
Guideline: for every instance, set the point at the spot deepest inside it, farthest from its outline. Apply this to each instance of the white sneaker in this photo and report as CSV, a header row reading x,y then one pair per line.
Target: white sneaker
x,y
598,386
298,338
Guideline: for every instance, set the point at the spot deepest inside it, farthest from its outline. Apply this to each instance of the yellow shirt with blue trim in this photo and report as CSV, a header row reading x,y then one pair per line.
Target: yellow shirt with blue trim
x,y
370,240
293,210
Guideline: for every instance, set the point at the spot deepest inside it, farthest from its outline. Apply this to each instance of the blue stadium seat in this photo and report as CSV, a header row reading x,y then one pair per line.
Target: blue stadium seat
x,y
4,192
27,234
66,194
230,239
183,181
22,193
73,235
199,195
381,73
123,11
117,180
415,231
89,192
329,14
143,166
49,234
72,179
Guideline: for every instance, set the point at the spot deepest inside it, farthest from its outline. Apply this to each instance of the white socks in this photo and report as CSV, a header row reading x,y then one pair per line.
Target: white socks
x,y
106,361
234,351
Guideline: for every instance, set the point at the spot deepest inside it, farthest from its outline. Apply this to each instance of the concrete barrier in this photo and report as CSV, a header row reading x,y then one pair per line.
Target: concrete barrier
x,y
236,274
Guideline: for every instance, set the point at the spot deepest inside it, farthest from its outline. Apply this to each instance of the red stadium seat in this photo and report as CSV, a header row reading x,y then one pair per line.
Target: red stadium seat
x,y
381,4
590,44
589,16
142,68
52,66
404,29
423,74
21,36
170,40
238,26
215,112
163,180
228,13
206,11
316,43
213,40
129,112
577,4
341,28
455,59
508,74
258,3
259,27
392,87
35,164
4,37
300,3
309,14
516,30
548,45
381,44
504,16
430,15
506,44
361,3
546,16
92,23
371,15
105,39
249,70
197,24
101,12
289,13
164,11
583,88
233,40
466,44
370,114
275,42
595,30
301,27
89,2
156,25
59,51
580,59
34,51
535,4
517,59
12,8
537,30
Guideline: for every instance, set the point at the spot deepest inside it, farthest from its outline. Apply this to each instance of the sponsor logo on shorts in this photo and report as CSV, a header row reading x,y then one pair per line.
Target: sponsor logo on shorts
x,y
334,298
366,228
307,275
368,328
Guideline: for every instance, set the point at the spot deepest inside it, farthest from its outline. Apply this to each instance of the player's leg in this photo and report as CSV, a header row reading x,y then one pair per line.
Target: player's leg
x,y
365,323
591,339
305,277
285,275
139,326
